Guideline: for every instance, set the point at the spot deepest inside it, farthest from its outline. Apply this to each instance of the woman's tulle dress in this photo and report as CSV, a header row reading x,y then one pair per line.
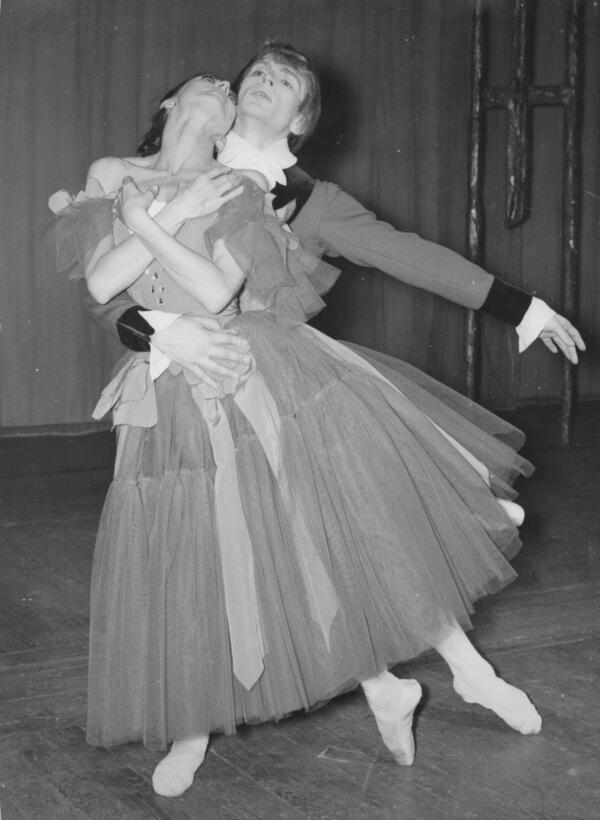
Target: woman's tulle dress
x,y
266,548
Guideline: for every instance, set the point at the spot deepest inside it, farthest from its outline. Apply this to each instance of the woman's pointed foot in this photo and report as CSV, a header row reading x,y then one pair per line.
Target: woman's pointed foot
x,y
393,703
509,703
175,772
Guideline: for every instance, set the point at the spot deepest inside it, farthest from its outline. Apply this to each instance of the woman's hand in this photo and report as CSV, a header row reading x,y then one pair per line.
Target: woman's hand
x,y
559,333
132,204
208,192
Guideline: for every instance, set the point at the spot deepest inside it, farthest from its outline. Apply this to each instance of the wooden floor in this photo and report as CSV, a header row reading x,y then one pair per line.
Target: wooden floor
x,y
542,632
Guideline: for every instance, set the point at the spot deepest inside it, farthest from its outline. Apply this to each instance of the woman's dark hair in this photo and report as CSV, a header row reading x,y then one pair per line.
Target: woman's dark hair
x,y
286,54
152,139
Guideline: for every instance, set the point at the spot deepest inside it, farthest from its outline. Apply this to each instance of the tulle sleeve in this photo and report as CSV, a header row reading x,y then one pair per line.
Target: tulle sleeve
x,y
282,276
79,224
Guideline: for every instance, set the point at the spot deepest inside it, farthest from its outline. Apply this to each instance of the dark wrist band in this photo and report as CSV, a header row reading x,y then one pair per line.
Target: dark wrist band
x,y
507,302
134,331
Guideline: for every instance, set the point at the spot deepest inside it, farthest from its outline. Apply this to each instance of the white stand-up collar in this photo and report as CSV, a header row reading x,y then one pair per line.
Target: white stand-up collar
x,y
240,154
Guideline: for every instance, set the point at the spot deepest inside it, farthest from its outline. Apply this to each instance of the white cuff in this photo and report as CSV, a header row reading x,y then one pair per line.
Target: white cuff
x,y
537,315
159,320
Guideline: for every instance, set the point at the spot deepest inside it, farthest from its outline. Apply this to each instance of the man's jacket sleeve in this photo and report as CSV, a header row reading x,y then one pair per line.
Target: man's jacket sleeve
x,y
346,228
120,318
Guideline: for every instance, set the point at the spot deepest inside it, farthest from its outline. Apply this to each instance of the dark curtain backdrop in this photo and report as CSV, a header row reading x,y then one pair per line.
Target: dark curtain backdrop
x,y
77,78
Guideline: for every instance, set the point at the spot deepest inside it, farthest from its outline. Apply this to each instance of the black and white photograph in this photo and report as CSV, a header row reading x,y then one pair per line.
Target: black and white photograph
x,y
299,409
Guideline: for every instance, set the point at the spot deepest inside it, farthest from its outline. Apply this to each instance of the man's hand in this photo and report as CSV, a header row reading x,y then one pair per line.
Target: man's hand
x,y
559,333
195,343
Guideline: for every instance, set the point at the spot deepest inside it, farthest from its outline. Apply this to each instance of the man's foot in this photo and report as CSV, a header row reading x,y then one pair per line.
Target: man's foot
x,y
393,702
509,703
175,772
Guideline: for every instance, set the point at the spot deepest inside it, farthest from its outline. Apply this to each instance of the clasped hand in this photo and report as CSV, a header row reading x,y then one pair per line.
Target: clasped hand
x,y
209,191
203,196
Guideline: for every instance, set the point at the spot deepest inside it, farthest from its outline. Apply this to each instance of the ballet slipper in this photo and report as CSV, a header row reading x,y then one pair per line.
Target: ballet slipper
x,y
507,702
393,702
175,772
476,682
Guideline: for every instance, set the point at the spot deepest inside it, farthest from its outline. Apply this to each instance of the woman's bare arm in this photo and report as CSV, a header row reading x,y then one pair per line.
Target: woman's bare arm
x,y
111,270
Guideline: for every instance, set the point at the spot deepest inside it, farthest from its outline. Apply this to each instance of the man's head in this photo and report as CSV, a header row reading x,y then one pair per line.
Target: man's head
x,y
279,89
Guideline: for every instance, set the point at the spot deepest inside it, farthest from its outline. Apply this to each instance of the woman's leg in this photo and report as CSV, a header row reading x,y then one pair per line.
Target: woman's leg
x,y
175,772
393,702
476,682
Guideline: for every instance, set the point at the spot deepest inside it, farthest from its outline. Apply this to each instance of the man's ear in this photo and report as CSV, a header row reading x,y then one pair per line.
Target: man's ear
x,y
297,126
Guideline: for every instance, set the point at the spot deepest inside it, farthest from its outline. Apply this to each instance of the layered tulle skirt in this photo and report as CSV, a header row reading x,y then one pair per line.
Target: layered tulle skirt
x,y
260,552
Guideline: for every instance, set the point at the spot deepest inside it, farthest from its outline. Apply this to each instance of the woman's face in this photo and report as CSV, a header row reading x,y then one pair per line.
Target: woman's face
x,y
210,99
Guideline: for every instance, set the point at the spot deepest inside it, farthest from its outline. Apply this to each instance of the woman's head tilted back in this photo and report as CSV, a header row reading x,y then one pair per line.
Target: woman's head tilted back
x,y
182,93
287,55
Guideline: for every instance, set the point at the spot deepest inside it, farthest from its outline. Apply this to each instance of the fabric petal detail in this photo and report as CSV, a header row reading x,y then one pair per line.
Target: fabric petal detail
x,y
241,600
130,395
259,407
280,275
80,223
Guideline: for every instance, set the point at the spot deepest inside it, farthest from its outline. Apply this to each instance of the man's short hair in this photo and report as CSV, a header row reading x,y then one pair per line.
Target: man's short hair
x,y
286,54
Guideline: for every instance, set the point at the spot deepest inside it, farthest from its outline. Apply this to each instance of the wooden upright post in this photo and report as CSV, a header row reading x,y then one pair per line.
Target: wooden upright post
x,y
519,98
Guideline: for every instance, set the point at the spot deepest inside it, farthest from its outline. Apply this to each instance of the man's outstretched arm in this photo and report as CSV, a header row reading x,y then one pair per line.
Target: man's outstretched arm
x,y
343,226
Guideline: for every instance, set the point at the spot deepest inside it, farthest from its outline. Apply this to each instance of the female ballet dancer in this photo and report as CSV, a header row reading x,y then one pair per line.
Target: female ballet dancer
x,y
297,530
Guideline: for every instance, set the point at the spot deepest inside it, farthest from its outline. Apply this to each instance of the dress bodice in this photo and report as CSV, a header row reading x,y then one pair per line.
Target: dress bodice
x,y
156,289
280,276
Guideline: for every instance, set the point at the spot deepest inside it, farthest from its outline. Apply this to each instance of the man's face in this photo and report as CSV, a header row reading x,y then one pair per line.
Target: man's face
x,y
272,93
